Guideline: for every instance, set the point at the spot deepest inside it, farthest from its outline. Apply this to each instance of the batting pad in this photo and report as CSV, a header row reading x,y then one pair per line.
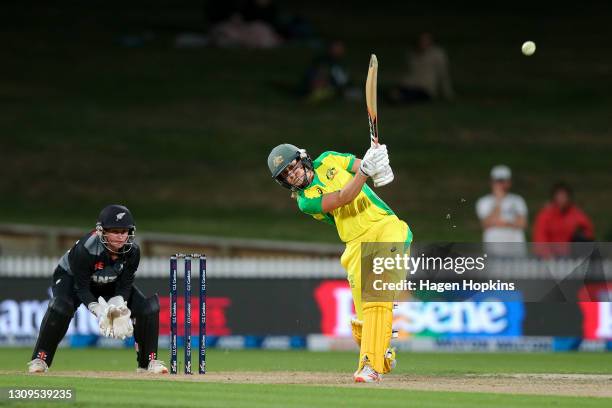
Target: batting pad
x,y
376,334
356,328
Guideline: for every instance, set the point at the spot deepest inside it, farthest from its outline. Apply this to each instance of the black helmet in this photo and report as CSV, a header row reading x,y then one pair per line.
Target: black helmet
x,y
116,216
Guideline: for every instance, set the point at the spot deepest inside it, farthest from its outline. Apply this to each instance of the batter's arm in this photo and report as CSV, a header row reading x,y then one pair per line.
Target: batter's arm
x,y
337,199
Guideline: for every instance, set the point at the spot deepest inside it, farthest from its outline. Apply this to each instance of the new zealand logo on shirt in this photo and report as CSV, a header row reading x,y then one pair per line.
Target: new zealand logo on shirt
x,y
331,173
108,273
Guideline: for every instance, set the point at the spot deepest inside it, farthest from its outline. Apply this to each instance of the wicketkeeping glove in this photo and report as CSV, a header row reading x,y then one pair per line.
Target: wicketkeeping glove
x,y
101,310
120,317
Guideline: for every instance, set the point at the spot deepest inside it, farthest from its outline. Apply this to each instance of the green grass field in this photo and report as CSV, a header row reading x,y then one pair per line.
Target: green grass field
x,y
224,385
182,135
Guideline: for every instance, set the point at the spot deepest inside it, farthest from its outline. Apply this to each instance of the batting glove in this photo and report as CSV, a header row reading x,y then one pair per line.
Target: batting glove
x,y
384,177
368,163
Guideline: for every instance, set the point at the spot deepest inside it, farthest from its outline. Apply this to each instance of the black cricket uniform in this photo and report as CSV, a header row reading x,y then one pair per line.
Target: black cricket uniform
x,y
86,272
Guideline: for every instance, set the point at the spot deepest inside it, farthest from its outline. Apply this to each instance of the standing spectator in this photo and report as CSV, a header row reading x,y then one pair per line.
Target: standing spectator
x,y
503,215
561,221
428,76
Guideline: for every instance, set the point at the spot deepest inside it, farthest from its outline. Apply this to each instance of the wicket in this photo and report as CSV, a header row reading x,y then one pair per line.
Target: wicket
x,y
187,310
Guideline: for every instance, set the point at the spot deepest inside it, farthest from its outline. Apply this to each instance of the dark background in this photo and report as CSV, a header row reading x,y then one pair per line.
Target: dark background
x,y
97,106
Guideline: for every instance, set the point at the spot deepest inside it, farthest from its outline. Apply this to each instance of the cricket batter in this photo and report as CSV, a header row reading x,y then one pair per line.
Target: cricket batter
x,y
98,271
333,189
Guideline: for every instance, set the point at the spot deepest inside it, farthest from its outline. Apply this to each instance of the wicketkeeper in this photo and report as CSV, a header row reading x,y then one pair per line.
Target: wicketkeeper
x,y
333,189
99,272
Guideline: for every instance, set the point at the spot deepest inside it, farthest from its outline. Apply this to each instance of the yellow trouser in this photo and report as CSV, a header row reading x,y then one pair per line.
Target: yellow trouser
x,y
376,316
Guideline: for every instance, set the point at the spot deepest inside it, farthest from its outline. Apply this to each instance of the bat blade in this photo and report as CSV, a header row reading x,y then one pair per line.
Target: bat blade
x,y
370,90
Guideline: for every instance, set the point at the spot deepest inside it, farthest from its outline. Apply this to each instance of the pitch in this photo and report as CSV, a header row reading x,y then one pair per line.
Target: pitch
x,y
103,377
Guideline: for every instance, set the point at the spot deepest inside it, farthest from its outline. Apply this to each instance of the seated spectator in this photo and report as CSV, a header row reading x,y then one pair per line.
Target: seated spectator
x,y
427,78
503,216
561,221
254,25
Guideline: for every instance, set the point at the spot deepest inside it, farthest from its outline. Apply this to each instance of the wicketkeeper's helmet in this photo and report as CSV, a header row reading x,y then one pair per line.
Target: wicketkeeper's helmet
x,y
116,216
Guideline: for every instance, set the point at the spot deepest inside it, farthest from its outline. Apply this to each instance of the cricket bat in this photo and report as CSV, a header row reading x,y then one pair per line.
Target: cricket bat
x,y
370,90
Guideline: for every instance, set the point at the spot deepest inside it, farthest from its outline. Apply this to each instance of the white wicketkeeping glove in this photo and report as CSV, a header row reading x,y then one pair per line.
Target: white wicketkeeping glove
x,y
117,305
121,318
101,310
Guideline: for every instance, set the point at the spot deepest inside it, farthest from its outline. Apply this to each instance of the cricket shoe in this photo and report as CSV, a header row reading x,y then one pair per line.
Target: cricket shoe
x,y
155,367
367,375
37,366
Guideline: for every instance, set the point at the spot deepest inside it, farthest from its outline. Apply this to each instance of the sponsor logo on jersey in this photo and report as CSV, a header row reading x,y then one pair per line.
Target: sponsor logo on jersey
x,y
103,279
331,173
98,266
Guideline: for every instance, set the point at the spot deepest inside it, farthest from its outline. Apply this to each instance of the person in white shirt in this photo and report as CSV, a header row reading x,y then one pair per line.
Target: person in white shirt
x,y
503,215
427,77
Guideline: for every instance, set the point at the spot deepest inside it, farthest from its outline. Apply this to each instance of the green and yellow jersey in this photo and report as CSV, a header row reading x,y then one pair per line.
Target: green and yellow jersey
x,y
332,172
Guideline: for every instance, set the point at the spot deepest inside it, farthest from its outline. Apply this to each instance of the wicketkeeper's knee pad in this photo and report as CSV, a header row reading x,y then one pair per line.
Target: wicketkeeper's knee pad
x,y
62,305
145,307
376,334
151,305
356,328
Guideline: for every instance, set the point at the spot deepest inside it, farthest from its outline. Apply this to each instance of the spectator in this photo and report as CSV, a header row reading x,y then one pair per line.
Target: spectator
x,y
326,77
235,32
503,215
253,24
561,221
427,78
